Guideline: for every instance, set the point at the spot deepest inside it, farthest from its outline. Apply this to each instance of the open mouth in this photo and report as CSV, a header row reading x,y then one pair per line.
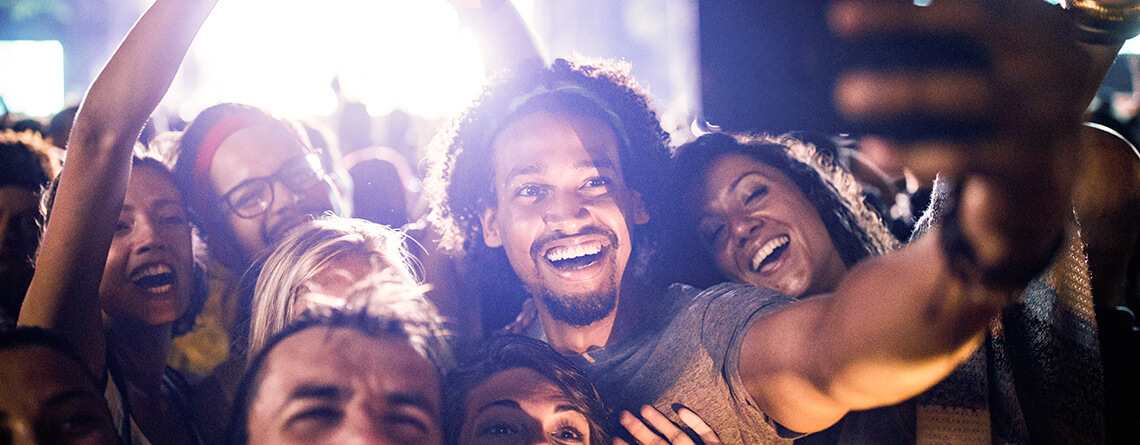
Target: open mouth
x,y
155,279
575,257
770,252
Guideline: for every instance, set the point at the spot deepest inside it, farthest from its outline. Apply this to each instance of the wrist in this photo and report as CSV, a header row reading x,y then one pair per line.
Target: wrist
x,y
1105,22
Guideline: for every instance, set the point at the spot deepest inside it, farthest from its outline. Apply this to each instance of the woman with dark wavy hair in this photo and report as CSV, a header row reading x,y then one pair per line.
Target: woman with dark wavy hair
x,y
115,270
726,184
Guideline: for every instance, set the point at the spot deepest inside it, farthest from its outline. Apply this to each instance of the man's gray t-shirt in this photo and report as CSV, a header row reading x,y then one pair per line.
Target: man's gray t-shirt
x,y
689,355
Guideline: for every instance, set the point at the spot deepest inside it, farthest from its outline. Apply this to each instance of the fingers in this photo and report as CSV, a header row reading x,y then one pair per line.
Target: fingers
x,y
670,433
699,426
662,424
850,18
1006,80
866,95
639,430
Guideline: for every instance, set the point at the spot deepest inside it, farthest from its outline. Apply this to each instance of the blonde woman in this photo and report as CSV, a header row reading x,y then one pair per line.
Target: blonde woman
x,y
321,264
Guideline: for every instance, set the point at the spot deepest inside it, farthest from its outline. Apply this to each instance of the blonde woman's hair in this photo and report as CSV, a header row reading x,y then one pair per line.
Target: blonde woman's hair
x,y
309,250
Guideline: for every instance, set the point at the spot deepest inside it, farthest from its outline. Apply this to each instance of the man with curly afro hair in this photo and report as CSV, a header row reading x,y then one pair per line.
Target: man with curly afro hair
x,y
460,185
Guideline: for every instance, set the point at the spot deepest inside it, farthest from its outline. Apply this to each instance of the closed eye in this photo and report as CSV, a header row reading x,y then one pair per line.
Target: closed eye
x,y
315,418
406,420
757,193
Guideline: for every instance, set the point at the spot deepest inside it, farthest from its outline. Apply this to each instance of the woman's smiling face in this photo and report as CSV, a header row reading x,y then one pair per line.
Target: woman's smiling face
x,y
760,228
149,270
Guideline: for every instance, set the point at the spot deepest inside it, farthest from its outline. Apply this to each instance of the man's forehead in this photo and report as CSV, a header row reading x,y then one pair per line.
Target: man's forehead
x,y
530,144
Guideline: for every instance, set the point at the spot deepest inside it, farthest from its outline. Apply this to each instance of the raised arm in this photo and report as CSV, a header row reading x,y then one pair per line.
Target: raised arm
x,y
900,323
503,36
64,293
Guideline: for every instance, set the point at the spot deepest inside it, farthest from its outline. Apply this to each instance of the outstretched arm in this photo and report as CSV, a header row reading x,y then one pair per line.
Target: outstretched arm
x,y
64,293
900,323
503,36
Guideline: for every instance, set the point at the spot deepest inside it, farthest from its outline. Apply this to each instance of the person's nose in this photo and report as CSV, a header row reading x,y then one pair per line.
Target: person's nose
x,y
565,212
283,198
19,433
363,428
364,437
147,236
743,228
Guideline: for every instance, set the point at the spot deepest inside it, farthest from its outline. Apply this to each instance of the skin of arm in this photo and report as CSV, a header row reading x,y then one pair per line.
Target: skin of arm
x,y
64,293
898,324
1107,202
503,36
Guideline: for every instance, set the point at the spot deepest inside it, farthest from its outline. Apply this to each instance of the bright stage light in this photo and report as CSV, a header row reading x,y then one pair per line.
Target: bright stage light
x,y
31,76
282,55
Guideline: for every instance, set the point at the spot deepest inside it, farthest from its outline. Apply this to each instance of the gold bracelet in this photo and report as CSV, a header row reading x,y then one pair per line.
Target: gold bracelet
x,y
1105,24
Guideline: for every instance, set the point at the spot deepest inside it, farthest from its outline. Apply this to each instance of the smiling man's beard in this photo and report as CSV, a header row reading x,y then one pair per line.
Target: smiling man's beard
x,y
580,310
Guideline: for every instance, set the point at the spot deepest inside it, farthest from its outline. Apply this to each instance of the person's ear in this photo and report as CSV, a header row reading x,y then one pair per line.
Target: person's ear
x,y
640,215
491,236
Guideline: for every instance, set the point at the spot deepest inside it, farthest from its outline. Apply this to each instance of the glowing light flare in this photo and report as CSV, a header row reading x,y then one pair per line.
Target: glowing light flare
x,y
31,77
282,55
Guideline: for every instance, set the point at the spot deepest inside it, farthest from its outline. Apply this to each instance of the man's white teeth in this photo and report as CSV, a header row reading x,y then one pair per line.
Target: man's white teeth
x,y
571,252
767,249
151,271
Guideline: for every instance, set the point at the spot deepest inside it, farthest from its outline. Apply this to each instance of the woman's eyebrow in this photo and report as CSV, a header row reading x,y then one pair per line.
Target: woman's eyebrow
x,y
508,403
69,395
737,182
567,407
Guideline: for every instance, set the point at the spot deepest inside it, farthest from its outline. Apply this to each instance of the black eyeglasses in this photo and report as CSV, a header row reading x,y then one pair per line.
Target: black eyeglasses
x,y
254,196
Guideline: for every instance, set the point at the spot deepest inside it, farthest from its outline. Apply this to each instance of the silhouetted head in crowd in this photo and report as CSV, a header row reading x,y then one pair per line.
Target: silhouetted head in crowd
x,y
328,148
354,127
769,211
343,377
555,169
517,390
47,394
59,129
249,178
27,166
28,124
321,264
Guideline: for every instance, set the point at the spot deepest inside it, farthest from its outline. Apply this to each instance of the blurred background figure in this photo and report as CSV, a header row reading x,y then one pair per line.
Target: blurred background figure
x,y
59,129
27,166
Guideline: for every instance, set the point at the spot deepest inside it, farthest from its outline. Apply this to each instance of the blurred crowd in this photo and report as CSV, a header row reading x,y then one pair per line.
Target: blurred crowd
x,y
552,266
